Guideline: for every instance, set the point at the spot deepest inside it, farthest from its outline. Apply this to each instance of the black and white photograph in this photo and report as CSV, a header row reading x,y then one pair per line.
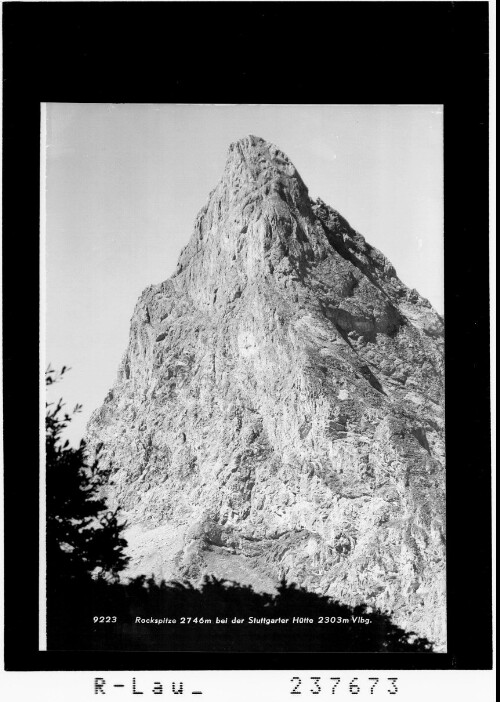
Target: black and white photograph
x,y
244,304
246,310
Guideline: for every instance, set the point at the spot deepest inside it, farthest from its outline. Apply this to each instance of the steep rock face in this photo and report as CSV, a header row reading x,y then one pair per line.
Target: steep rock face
x,y
279,408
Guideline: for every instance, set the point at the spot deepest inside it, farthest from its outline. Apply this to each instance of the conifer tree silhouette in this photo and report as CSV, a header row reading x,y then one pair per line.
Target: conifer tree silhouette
x,y
84,537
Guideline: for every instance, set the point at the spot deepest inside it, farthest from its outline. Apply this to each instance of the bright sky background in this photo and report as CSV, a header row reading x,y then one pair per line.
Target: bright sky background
x,y
124,184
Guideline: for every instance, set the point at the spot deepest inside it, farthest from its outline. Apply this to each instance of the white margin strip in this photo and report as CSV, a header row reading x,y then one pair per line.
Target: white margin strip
x,y
42,559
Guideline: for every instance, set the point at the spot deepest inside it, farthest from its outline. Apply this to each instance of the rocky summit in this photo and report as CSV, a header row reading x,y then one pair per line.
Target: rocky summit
x,y
279,409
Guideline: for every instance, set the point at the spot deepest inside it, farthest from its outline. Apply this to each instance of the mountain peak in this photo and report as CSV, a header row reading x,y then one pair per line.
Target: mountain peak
x,y
254,163
279,408
260,156
249,141
257,215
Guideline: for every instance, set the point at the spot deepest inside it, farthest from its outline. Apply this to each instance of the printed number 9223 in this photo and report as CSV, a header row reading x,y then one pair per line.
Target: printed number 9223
x,y
104,620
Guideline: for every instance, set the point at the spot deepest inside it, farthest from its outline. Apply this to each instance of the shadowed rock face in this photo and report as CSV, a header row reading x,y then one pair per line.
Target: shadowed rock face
x,y
279,408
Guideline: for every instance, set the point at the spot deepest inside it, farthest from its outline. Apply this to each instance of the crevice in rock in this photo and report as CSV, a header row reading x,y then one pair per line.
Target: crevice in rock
x,y
367,373
420,435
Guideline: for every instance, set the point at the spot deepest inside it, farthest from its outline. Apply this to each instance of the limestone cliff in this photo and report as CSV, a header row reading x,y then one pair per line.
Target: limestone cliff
x,y
279,408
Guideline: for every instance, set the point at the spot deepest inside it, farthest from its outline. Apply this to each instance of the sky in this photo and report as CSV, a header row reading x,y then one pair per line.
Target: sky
x,y
124,182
